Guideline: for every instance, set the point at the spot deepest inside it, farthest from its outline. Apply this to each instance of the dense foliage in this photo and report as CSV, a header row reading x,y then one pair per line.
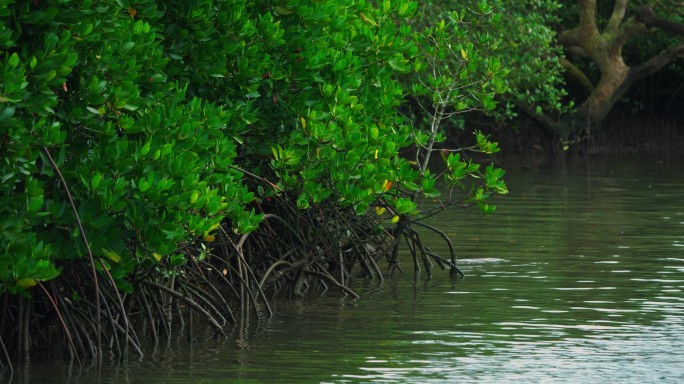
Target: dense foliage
x,y
604,50
147,159
134,134
521,36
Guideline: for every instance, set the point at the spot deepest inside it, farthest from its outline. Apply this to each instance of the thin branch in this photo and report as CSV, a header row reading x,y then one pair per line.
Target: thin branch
x,y
256,177
440,233
271,269
658,61
616,18
588,28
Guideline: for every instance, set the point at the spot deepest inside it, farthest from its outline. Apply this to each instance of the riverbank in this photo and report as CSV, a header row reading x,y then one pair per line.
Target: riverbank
x,y
621,135
630,135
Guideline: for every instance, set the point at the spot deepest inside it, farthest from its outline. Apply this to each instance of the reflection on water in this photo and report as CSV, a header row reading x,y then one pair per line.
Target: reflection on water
x,y
578,279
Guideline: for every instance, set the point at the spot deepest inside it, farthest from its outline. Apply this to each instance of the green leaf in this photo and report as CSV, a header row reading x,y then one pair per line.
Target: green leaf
x,y
303,201
26,282
7,113
143,185
95,181
283,11
411,186
111,255
399,65
127,46
386,6
374,133
4,99
138,27
35,203
13,60
369,19
145,148
405,206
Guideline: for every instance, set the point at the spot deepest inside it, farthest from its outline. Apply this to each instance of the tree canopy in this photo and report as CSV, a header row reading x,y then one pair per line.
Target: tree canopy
x,y
597,50
165,148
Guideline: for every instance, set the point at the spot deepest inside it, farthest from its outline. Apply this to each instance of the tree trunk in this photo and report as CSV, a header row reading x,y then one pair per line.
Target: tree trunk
x,y
604,49
615,81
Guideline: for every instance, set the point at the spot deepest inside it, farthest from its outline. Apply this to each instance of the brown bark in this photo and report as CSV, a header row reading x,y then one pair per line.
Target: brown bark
x,y
576,76
604,48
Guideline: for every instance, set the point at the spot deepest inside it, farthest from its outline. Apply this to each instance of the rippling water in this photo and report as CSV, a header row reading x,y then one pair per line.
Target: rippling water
x,y
587,288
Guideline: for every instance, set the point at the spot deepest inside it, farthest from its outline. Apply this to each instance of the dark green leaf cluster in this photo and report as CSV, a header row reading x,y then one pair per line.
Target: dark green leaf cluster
x,y
146,145
167,119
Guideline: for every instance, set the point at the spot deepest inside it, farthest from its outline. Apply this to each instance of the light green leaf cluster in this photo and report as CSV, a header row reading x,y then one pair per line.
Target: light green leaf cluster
x,y
518,39
333,92
457,71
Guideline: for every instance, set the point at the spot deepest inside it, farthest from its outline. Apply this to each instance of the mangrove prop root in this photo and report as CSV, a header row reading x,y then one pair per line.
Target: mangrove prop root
x,y
292,251
8,361
150,319
188,301
74,352
85,243
249,273
270,270
123,309
334,282
440,233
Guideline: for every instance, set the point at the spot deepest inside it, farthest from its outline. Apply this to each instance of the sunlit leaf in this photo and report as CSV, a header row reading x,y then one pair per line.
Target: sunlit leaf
x,y
26,282
111,255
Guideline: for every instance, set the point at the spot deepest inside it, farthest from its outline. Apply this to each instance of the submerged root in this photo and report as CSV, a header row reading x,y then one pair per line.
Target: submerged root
x,y
293,251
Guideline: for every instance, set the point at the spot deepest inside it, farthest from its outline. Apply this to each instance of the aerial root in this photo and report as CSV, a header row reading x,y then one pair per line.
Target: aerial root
x,y
293,252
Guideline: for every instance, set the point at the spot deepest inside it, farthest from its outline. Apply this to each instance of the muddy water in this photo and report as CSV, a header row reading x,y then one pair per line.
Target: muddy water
x,y
579,277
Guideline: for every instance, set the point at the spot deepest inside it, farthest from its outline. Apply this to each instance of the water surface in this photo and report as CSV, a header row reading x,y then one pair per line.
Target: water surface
x,y
588,289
